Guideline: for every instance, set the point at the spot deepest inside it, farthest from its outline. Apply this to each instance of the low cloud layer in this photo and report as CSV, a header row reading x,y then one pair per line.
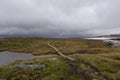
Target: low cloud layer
x,y
59,18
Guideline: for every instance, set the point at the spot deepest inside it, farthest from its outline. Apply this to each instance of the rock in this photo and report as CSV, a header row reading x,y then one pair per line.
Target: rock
x,y
29,66
96,73
53,59
113,43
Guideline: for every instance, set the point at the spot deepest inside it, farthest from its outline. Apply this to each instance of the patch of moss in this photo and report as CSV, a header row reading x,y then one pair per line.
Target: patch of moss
x,y
55,70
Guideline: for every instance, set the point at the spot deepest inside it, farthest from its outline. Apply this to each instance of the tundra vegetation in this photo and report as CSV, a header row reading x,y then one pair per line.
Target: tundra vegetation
x,y
94,60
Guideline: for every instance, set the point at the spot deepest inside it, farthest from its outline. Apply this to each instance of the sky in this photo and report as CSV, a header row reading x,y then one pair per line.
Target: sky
x,y
59,18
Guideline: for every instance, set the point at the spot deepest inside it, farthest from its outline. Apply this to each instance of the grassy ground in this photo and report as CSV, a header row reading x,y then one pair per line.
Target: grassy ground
x,y
95,61
55,70
38,46
105,65
86,67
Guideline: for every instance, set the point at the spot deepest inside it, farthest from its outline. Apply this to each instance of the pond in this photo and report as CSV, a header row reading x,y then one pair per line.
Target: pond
x,y
7,57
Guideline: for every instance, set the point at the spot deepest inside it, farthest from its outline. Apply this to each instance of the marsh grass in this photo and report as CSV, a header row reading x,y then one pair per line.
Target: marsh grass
x,y
38,46
107,65
55,70
95,56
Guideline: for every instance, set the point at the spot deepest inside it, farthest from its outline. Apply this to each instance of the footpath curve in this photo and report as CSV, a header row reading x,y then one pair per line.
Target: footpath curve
x,y
60,53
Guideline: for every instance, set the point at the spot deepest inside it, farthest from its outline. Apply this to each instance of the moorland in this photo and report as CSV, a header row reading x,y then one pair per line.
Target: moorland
x,y
94,59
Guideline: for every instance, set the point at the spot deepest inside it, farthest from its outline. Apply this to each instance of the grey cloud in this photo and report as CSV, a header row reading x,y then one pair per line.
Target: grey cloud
x,y
59,18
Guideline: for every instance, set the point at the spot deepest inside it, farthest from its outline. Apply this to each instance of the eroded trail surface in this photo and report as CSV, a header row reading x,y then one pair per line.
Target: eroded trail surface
x,y
77,71
86,72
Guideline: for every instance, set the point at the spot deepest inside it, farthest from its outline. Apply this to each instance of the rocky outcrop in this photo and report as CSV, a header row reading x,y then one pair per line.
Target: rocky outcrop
x,y
112,43
29,66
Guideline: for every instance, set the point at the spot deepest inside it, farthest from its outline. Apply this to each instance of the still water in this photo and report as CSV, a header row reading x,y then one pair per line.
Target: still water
x,y
7,57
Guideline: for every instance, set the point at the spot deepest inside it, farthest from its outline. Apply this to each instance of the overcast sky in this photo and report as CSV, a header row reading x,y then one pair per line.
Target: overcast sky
x,y
60,18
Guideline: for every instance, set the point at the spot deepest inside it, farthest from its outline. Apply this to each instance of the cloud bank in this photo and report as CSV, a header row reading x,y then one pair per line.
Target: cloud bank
x,y
59,18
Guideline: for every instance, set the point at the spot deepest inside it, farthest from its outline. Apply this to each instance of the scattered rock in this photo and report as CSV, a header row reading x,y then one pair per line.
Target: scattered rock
x,y
29,66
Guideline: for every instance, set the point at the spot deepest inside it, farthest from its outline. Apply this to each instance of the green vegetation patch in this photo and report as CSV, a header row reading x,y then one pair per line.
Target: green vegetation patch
x,y
105,65
55,70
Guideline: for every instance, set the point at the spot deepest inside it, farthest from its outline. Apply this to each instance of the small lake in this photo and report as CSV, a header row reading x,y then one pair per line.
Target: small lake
x,y
7,57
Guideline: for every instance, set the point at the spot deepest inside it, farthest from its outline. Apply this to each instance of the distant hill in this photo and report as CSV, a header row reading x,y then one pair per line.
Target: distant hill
x,y
42,36
111,35
17,35
115,35
54,36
